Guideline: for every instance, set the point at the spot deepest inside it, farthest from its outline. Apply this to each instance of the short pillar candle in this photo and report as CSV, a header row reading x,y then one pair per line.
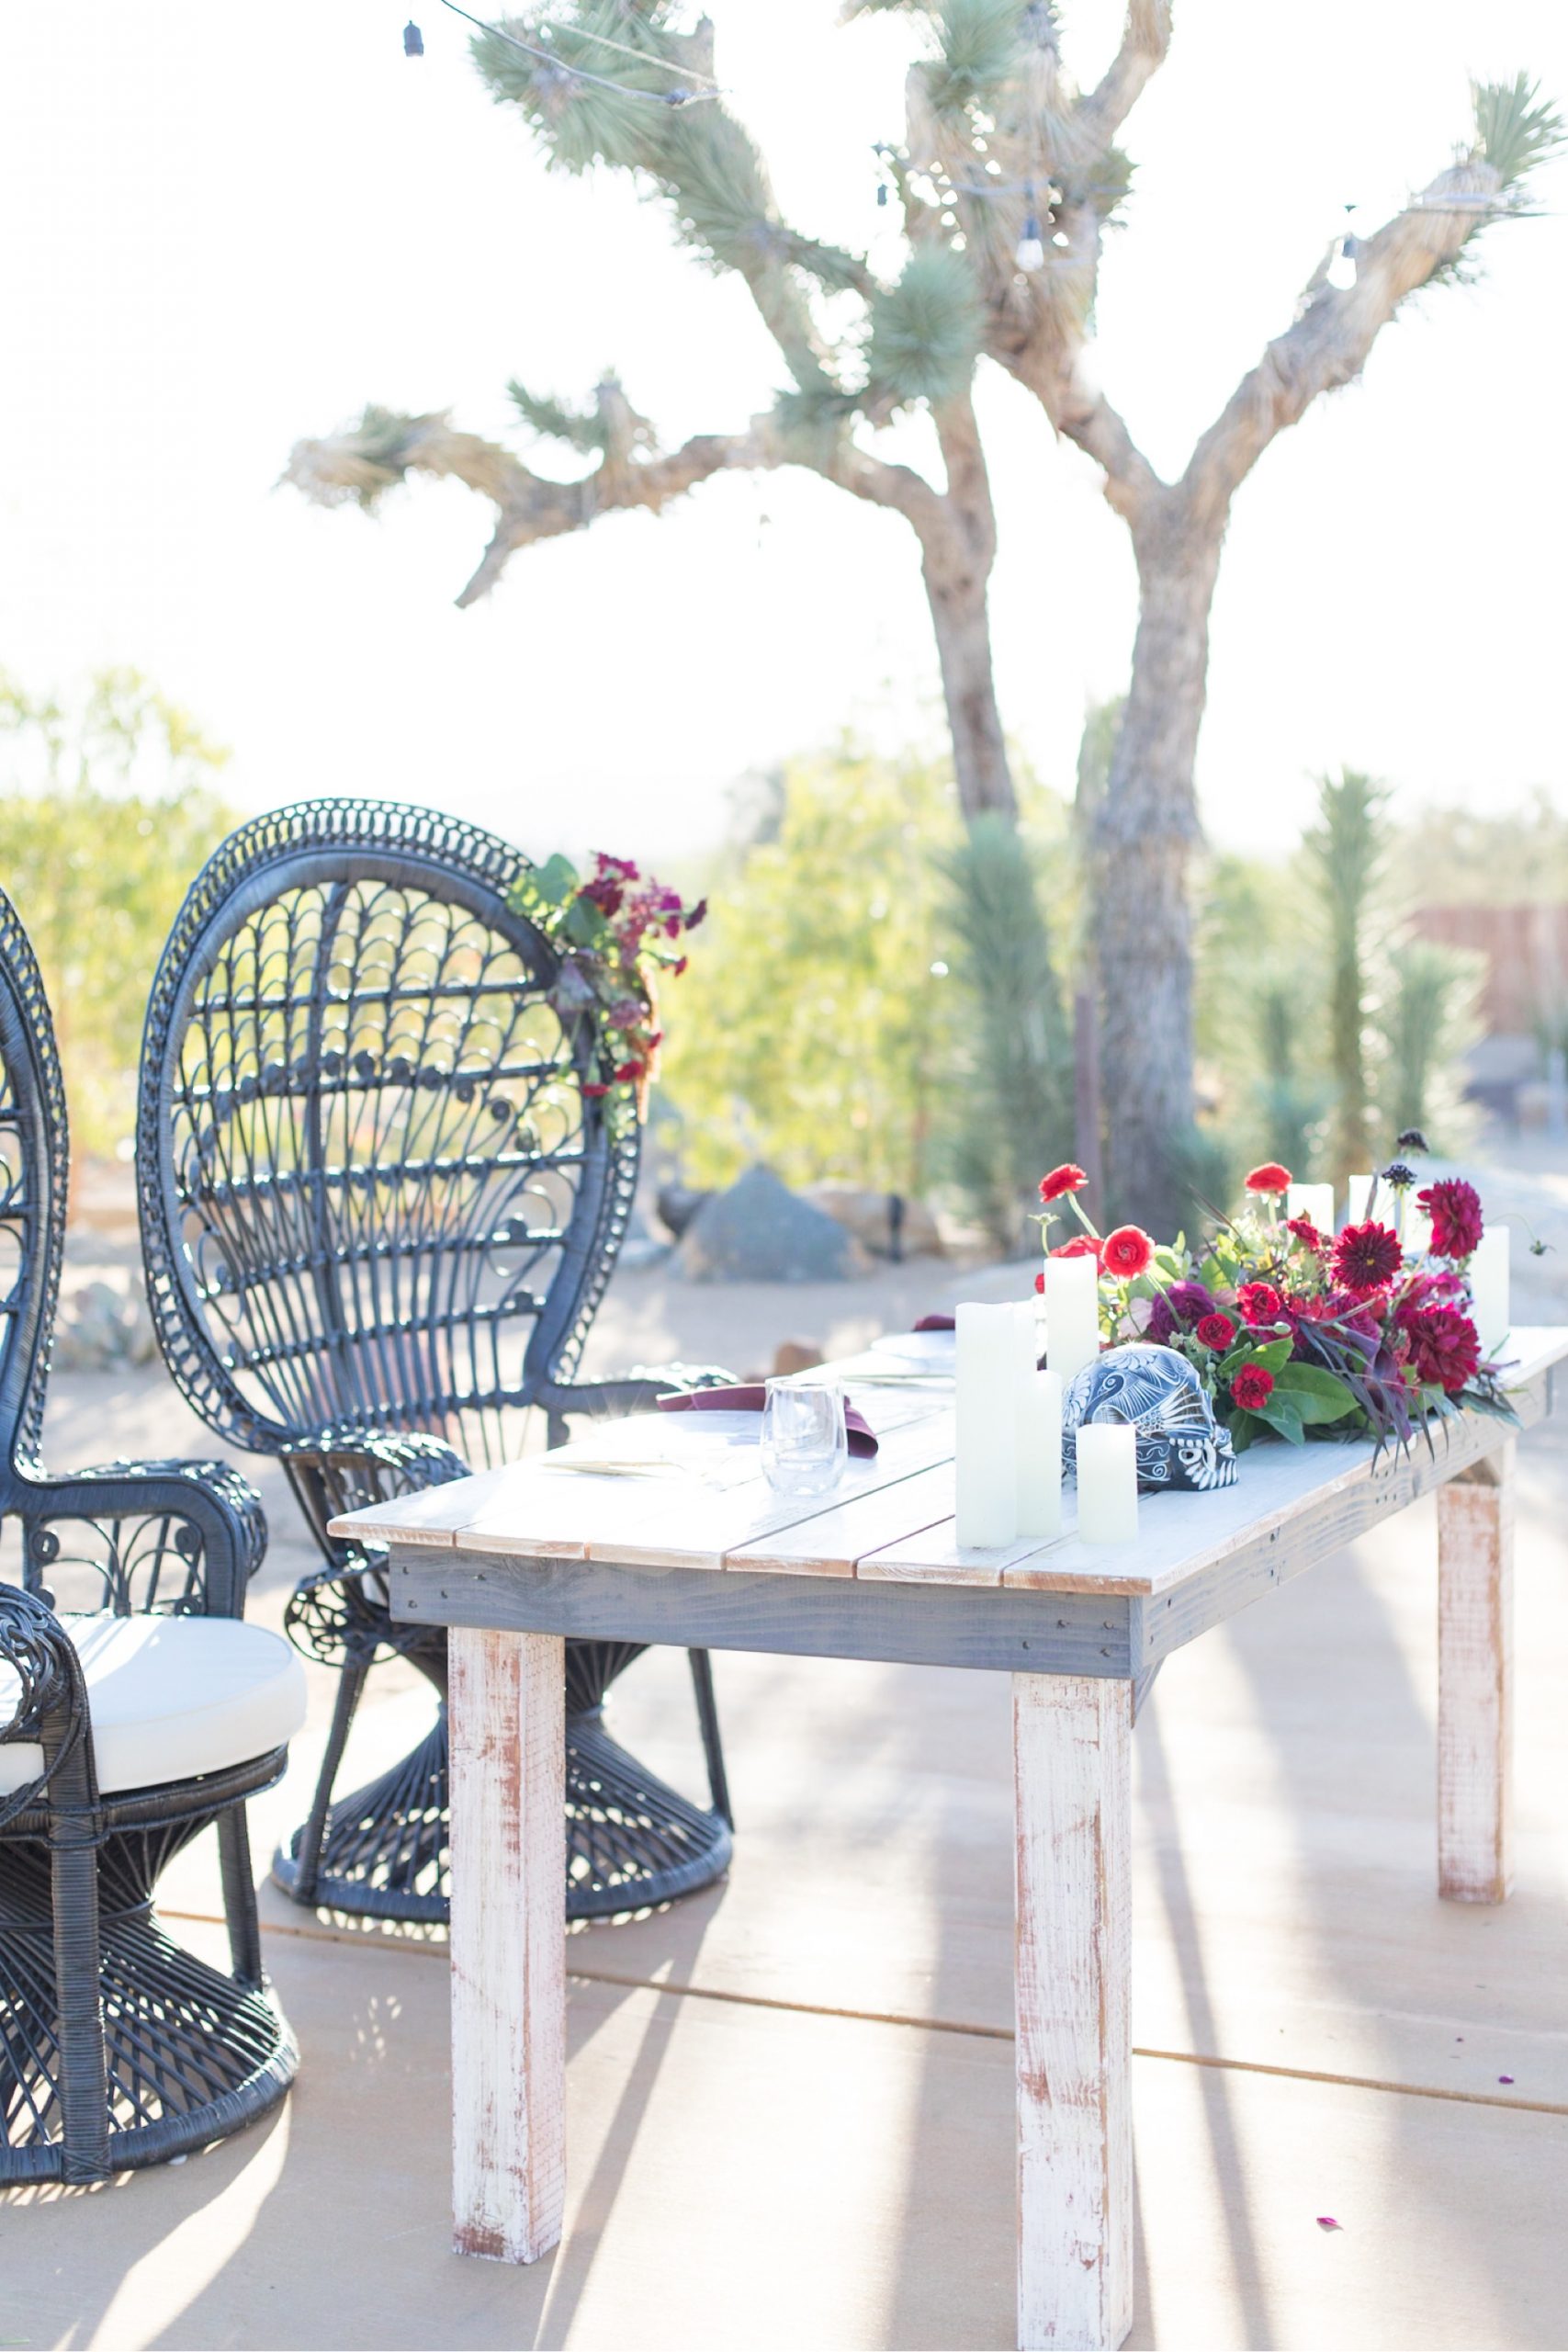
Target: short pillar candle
x,y
985,1447
1489,1271
1314,1201
1108,1482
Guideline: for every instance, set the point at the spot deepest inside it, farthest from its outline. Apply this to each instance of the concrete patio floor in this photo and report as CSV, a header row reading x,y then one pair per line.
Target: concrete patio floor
x,y
791,2096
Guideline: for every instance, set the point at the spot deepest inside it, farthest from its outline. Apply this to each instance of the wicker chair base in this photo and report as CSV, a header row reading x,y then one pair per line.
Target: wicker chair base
x,y
631,1841
192,2055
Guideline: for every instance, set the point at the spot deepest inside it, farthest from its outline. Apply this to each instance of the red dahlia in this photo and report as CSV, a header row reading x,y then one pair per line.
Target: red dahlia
x,y
1066,1179
1260,1303
1252,1387
1454,1208
1443,1347
1367,1256
1127,1252
1216,1331
1270,1177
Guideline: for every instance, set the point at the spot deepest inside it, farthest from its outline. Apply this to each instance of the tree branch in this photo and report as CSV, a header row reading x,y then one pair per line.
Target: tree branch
x,y
1146,39
361,463
1330,341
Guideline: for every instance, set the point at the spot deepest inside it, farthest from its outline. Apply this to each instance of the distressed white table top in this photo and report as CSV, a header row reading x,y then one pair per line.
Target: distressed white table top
x,y
691,1495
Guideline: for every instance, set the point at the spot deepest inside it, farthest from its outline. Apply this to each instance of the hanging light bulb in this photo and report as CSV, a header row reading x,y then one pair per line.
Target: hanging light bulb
x,y
413,39
1342,268
1031,253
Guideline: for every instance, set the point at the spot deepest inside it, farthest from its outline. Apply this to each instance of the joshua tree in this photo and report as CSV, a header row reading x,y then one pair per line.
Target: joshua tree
x,y
1006,180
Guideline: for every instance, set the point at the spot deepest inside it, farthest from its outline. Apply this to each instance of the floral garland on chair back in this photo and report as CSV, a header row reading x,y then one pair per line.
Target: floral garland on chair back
x,y
1295,1333
615,933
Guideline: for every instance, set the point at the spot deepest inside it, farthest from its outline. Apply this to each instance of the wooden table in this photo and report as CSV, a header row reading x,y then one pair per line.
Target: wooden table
x,y
518,1558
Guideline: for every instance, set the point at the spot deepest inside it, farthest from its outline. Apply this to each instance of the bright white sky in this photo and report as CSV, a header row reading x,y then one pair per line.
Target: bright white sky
x,y
227,226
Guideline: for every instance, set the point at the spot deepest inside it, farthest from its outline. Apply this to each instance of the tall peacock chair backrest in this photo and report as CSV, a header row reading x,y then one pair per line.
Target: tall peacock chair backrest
x,y
373,1193
34,1163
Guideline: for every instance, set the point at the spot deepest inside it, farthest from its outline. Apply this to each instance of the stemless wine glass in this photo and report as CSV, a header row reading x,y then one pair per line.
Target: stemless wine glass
x,y
804,1443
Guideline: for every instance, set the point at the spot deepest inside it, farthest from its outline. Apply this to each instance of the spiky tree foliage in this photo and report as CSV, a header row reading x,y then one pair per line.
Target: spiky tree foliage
x,y
903,342
1347,850
1008,178
1427,1023
1015,1086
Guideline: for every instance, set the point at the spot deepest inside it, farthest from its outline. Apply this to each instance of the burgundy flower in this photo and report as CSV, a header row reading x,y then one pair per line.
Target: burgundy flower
x,y
1269,1178
1062,1179
1160,1329
697,915
1190,1300
1366,1257
1454,1208
1443,1347
1302,1229
1260,1303
1127,1252
593,1090
605,894
1216,1331
1252,1387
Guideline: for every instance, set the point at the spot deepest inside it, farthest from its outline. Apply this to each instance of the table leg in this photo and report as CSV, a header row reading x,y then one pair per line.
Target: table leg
x,y
1072,1750
507,1712
1475,1677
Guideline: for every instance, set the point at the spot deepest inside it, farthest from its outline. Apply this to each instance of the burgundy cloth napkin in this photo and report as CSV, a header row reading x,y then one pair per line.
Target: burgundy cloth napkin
x,y
936,1323
751,1400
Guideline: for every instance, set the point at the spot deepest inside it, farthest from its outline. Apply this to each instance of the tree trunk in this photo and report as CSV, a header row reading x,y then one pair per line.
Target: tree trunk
x,y
958,547
1145,833
957,599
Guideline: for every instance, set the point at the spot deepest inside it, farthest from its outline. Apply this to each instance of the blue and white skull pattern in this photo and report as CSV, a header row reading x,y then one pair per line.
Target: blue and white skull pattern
x,y
1181,1447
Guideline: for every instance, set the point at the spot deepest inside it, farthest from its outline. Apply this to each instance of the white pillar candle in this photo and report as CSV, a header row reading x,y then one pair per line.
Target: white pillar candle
x,y
986,1442
1489,1288
1072,1314
1360,1194
1108,1482
1039,1436
1314,1201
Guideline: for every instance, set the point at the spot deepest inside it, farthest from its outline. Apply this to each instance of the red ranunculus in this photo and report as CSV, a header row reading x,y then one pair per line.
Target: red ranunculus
x,y
1454,1208
1216,1331
1367,1256
1443,1347
1127,1252
1082,1245
1062,1179
1040,1279
1270,1177
1302,1230
1260,1303
1252,1387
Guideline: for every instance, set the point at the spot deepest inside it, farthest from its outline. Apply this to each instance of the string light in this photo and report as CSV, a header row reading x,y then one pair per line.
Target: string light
x,y
681,97
413,39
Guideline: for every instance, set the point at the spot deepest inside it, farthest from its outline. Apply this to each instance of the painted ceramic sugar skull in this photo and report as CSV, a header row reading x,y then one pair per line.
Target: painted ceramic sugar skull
x,y
1181,1447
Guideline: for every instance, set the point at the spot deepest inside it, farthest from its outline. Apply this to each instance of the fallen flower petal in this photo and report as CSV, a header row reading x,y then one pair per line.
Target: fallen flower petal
x,y
1504,2078
1327,2222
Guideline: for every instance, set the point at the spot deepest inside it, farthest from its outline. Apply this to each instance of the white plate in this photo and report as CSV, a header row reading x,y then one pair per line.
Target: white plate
x,y
931,1351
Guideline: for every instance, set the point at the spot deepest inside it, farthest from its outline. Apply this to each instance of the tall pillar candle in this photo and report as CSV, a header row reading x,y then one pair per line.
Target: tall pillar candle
x,y
1489,1271
1360,1194
1072,1314
1314,1201
1108,1482
986,1443
1039,1436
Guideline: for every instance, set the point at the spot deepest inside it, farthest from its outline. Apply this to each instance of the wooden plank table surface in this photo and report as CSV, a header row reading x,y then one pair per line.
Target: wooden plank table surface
x,y
660,1528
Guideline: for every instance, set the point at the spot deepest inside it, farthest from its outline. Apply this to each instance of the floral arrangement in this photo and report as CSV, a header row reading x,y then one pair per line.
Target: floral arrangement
x,y
615,933
1296,1333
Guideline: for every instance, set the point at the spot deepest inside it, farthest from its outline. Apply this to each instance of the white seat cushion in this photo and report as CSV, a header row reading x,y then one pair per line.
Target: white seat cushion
x,y
170,1698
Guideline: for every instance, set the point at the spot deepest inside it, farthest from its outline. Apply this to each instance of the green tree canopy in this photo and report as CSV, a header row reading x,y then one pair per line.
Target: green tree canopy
x,y
108,809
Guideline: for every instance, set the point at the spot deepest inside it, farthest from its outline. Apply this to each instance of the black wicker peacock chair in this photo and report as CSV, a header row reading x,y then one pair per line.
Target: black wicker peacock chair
x,y
123,1730
378,1214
